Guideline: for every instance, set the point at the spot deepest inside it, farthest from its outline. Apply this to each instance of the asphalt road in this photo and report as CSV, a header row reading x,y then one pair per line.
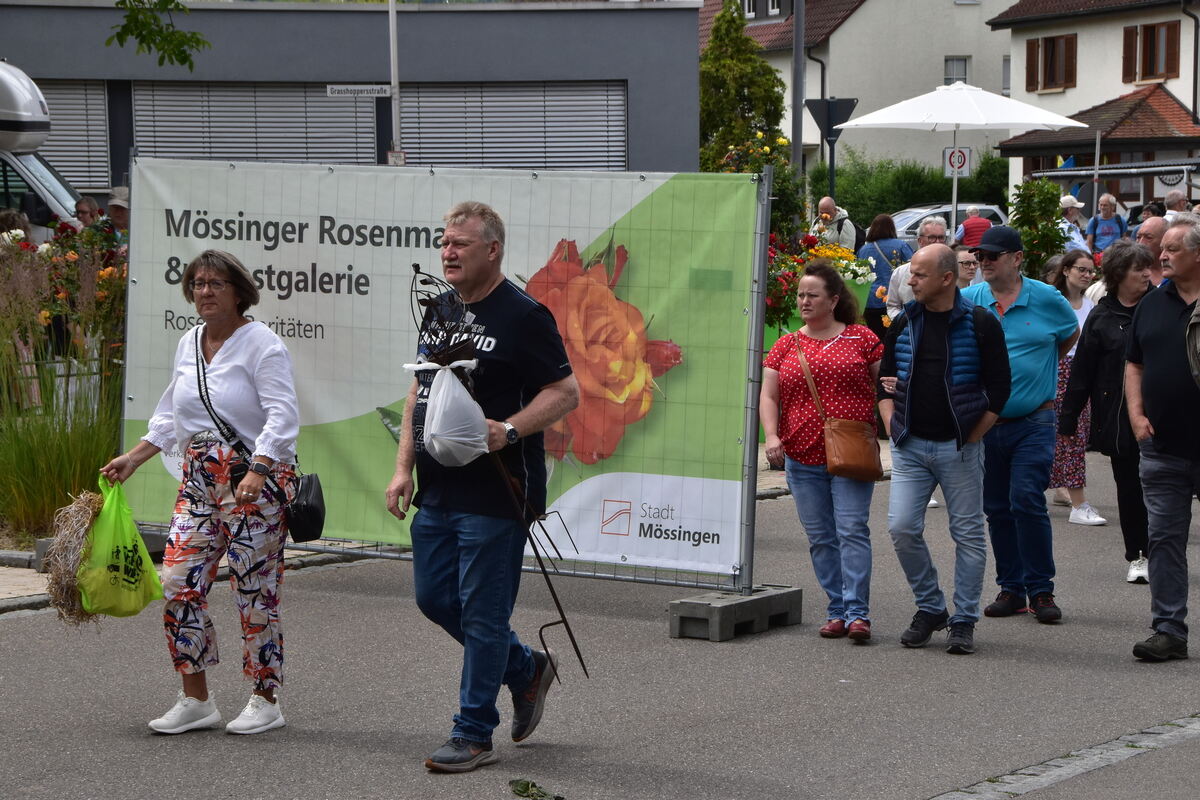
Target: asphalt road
x,y
371,686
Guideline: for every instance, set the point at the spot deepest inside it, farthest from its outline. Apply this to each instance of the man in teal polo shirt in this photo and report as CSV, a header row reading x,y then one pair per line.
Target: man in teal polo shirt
x,y
1039,327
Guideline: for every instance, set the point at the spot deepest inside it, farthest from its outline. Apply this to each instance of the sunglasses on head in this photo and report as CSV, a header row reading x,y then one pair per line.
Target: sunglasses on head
x,y
985,255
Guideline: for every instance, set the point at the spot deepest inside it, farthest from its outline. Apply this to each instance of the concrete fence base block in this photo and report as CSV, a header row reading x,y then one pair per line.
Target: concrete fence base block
x,y
720,616
40,546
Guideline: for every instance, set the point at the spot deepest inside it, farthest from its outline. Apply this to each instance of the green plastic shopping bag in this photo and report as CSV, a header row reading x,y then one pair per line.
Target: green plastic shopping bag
x,y
116,576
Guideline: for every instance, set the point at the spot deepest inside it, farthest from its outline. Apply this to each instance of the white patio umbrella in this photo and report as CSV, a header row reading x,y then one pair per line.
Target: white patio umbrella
x,y
960,106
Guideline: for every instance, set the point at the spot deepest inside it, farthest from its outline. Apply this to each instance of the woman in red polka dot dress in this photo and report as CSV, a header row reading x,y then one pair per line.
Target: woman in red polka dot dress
x,y
844,359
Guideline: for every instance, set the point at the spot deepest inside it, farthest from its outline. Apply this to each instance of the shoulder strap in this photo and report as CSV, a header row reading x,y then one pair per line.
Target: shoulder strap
x,y
812,385
880,251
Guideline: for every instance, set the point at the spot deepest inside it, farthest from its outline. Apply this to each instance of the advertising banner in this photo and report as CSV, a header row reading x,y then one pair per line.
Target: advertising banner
x,y
648,276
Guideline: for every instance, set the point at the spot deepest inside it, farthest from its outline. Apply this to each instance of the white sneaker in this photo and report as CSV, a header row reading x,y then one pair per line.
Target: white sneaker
x,y
1084,514
188,714
933,502
1139,570
259,715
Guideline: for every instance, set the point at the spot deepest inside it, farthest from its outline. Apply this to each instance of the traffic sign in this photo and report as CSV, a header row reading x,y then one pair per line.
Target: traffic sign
x,y
829,112
956,161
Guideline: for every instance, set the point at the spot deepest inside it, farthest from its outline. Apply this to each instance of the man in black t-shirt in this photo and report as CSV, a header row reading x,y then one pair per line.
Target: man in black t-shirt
x,y
943,382
1164,411
468,535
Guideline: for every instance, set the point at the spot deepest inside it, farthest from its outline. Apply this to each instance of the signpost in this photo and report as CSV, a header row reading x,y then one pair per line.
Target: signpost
x,y
828,113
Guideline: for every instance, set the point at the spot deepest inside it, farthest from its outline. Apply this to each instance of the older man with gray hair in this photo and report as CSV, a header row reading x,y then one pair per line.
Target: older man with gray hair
x,y
1176,202
1162,398
932,230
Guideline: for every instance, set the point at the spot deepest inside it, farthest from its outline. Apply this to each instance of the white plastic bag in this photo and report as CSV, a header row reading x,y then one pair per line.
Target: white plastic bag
x,y
456,431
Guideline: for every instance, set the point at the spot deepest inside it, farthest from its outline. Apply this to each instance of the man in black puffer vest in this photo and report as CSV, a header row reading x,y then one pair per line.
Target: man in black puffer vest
x,y
943,381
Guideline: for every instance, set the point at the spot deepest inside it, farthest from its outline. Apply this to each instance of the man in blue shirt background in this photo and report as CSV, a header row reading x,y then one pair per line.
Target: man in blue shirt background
x,y
1039,327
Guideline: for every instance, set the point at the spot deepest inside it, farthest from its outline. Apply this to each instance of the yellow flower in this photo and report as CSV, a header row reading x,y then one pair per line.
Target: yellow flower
x,y
758,134
72,255
886,320
881,293
106,273
782,141
766,149
44,317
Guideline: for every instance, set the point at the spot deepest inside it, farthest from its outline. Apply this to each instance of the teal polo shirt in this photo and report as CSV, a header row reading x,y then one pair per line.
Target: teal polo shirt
x,y
1035,325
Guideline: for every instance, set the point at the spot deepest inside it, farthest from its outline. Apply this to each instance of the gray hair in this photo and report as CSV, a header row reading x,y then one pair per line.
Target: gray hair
x,y
1108,197
1192,221
972,210
493,226
1174,198
933,219
89,203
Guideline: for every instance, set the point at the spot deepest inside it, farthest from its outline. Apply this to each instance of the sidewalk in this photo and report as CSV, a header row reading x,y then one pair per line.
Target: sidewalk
x,y
22,588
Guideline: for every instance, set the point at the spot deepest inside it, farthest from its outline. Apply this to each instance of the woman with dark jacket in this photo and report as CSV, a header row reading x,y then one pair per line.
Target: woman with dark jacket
x,y
887,250
1097,374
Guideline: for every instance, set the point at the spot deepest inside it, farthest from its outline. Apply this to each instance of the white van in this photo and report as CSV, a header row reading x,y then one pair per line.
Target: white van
x,y
27,181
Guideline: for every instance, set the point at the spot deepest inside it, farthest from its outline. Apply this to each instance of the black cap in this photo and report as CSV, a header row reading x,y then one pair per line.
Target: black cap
x,y
1000,239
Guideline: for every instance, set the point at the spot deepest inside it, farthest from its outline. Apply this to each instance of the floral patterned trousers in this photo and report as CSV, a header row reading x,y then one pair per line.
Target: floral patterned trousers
x,y
207,525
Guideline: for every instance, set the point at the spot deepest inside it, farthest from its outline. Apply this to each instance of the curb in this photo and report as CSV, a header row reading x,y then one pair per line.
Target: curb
x,y
35,602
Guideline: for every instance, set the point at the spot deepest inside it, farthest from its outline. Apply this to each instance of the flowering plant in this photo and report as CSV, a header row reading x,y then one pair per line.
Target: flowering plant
x,y
785,268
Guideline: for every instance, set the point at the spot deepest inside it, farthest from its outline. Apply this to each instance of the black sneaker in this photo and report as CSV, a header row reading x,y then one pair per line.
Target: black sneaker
x,y
1161,647
1005,605
528,705
1045,609
921,630
961,640
460,755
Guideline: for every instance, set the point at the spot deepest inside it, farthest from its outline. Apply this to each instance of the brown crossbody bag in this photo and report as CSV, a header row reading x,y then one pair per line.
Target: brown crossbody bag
x,y
851,449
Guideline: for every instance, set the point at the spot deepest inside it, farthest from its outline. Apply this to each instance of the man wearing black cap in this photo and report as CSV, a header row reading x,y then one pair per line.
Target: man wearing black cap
x,y
1039,327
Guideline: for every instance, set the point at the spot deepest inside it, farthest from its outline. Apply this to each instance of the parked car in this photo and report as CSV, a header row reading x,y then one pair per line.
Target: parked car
x,y
908,219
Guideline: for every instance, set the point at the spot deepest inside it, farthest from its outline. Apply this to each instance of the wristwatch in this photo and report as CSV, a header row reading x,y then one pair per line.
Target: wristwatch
x,y
259,468
510,433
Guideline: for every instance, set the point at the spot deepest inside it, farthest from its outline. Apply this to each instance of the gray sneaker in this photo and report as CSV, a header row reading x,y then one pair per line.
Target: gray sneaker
x,y
921,630
528,705
461,755
961,641
188,714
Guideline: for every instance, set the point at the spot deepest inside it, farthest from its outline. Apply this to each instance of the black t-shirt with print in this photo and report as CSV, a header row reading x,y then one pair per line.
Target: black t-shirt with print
x,y
520,352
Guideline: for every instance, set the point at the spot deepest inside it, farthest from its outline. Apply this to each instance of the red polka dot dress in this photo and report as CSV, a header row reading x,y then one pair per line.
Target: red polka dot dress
x,y
841,369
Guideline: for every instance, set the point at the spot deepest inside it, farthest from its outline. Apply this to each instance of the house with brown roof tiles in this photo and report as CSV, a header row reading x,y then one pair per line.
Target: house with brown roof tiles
x,y
881,51
1126,68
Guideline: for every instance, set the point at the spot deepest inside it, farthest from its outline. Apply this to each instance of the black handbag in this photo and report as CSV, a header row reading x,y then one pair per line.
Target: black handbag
x,y
305,512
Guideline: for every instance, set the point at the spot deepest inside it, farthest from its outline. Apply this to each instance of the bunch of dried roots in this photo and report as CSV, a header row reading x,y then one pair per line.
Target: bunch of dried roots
x,y
66,552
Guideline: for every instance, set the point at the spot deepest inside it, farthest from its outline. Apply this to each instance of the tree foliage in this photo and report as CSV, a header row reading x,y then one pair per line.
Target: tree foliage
x,y
1036,212
740,93
151,25
869,187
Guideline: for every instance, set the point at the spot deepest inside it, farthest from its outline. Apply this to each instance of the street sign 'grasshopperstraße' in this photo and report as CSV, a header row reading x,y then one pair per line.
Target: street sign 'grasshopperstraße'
x,y
357,90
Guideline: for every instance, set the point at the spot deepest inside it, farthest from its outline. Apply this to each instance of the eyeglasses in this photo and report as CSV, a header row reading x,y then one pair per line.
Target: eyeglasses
x,y
987,255
933,237
968,263
1084,270
215,285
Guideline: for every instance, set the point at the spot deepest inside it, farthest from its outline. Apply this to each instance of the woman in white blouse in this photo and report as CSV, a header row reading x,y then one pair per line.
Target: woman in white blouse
x,y
225,506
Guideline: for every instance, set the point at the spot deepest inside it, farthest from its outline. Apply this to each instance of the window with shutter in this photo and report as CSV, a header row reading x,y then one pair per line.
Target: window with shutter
x,y
252,122
78,142
568,125
1150,52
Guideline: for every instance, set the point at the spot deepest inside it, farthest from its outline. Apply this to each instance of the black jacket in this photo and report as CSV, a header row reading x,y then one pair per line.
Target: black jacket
x,y
1098,374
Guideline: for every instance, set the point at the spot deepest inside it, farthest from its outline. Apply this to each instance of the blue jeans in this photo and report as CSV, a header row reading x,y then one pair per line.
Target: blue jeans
x,y
467,569
834,513
917,466
1168,484
1017,460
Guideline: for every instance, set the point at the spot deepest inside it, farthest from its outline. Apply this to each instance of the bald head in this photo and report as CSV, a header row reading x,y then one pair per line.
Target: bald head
x,y
934,277
1150,234
827,207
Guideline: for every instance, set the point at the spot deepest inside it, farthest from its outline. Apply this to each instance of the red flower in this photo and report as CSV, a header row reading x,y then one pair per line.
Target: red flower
x,y
663,355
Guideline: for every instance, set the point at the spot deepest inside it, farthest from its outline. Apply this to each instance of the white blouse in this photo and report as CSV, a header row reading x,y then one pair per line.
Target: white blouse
x,y
250,385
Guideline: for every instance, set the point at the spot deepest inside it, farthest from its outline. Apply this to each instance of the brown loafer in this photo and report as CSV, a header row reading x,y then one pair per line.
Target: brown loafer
x,y
859,630
833,629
